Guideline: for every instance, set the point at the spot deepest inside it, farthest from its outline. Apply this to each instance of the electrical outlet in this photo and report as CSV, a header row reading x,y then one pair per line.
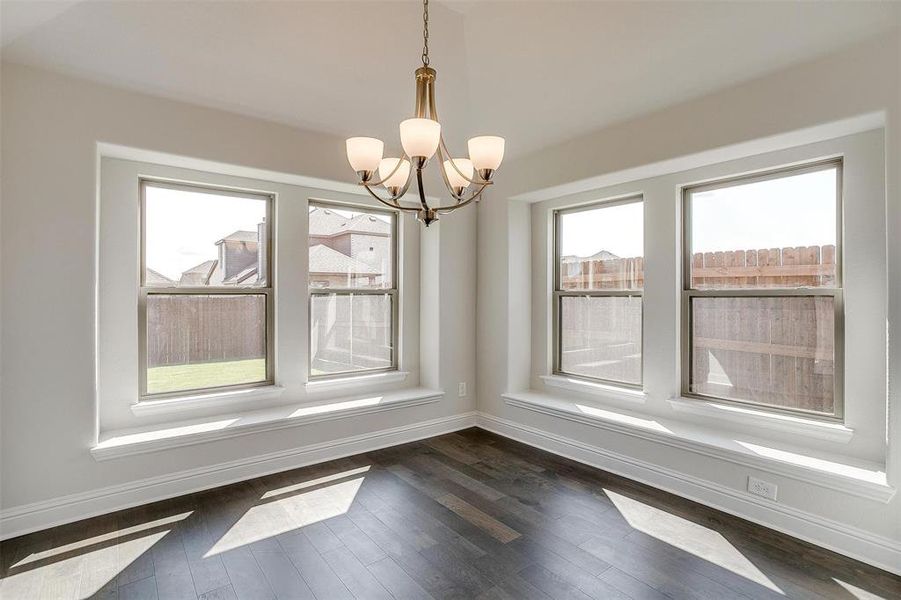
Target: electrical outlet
x,y
461,389
762,488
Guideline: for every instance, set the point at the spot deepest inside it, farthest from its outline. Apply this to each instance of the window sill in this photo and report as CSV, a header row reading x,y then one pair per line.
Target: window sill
x,y
354,381
813,428
115,444
206,400
602,390
862,479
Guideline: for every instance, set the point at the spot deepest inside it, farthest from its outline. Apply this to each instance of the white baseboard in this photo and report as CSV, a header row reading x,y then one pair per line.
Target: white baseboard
x,y
20,520
853,542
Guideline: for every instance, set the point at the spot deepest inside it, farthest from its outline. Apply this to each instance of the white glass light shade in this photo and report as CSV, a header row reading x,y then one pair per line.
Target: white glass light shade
x,y
486,151
453,177
420,137
364,153
398,178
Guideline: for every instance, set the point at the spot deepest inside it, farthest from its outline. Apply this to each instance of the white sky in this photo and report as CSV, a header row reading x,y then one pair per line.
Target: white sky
x,y
777,213
183,227
789,211
618,229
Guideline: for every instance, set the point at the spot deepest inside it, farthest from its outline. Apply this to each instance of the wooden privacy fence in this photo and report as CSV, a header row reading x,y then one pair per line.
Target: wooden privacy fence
x,y
802,266
184,329
773,350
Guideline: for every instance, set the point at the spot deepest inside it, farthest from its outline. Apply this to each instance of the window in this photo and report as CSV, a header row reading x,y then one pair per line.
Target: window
x,y
353,290
599,275
762,298
205,305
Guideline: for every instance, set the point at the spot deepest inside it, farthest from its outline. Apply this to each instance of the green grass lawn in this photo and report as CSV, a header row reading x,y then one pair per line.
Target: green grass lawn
x,y
203,375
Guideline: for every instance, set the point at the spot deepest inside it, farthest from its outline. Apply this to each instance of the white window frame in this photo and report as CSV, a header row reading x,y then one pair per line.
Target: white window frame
x,y
144,290
836,292
393,291
559,293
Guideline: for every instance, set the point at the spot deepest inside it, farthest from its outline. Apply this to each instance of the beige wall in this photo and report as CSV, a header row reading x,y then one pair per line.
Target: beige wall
x,y
853,90
52,126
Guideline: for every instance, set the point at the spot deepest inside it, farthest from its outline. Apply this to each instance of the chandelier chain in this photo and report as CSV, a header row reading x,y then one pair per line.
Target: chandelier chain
x,y
425,33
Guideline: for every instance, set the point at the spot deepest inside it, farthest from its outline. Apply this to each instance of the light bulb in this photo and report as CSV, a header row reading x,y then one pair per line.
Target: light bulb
x,y
454,178
364,153
420,137
486,153
396,180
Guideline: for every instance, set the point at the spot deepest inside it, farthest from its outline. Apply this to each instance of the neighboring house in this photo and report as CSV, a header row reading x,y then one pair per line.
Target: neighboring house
x,y
365,238
343,251
330,268
239,261
152,278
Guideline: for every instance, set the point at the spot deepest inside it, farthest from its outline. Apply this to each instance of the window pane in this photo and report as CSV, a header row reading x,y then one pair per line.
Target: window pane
x,y
351,249
602,248
775,233
200,238
601,337
196,341
776,351
350,333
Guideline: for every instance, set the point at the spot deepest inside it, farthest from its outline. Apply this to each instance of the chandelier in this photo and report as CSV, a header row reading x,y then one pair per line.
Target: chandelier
x,y
421,139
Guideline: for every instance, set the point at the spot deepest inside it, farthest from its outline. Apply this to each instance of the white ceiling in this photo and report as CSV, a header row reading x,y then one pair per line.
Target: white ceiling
x,y
535,72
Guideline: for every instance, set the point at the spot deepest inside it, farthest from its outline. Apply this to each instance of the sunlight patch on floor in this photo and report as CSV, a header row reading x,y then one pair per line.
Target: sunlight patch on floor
x,y
291,507
106,537
690,537
856,592
315,482
81,569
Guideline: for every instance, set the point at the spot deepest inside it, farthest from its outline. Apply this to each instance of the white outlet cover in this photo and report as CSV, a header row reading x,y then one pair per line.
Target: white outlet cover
x,y
461,390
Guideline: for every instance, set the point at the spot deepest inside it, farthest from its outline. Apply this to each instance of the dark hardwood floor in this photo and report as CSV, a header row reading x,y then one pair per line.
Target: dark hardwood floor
x,y
465,515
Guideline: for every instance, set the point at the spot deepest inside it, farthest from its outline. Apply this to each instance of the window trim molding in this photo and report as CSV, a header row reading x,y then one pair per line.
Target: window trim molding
x,y
144,291
393,291
687,292
557,295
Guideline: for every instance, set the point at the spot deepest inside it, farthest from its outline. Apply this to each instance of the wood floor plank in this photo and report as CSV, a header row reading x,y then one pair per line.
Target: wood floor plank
x,y
326,585
171,569
461,516
247,579
358,543
322,537
443,471
396,580
223,593
629,586
492,526
552,584
356,577
142,589
283,576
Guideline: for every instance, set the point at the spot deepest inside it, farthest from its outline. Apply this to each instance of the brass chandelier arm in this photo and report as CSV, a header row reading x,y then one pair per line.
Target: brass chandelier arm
x,y
393,201
403,157
443,152
474,196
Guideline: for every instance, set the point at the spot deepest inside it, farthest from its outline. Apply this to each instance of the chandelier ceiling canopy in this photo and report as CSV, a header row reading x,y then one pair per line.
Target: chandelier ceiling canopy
x,y
421,139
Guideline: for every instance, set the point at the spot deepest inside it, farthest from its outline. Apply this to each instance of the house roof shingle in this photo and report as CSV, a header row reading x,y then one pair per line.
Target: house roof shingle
x,y
326,223
152,277
326,260
240,236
